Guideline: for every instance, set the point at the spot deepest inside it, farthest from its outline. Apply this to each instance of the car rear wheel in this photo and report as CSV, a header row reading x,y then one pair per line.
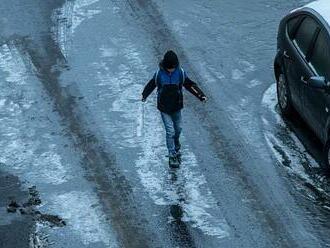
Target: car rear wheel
x,y
283,95
326,155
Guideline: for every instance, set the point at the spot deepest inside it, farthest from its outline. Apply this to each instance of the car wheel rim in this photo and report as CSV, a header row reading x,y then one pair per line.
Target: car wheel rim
x,y
282,92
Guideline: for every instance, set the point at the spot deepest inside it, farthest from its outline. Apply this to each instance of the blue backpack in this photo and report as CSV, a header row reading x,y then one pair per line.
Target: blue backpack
x,y
169,93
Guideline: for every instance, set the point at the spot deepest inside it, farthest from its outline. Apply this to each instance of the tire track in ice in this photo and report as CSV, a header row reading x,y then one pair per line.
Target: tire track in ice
x,y
16,101
31,148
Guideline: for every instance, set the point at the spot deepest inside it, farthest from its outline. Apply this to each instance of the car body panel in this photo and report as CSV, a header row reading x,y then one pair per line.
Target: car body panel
x,y
312,104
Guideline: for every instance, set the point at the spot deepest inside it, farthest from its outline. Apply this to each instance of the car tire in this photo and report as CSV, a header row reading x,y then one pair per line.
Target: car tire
x,y
284,96
326,155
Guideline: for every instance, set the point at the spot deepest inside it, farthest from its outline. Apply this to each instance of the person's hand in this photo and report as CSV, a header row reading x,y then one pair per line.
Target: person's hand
x,y
203,98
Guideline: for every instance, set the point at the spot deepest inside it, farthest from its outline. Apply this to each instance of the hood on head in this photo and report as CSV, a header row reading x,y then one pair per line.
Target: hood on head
x,y
170,60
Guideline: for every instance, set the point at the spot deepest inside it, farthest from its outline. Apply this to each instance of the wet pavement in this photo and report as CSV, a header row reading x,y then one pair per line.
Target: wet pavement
x,y
74,130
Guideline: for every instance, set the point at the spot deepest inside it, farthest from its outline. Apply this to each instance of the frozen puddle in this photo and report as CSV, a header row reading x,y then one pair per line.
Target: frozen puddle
x,y
33,148
286,146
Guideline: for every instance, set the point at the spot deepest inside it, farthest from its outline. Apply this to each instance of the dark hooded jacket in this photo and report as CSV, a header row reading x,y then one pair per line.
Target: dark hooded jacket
x,y
169,89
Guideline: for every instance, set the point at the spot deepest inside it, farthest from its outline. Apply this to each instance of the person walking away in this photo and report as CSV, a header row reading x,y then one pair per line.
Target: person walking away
x,y
169,80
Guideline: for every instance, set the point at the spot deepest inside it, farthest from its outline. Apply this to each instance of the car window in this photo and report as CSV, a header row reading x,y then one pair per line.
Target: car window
x,y
305,33
320,58
292,25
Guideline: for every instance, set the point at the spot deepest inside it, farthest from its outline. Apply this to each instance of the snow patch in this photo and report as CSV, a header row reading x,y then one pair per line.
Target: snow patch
x,y
179,26
81,14
254,83
84,216
210,74
244,68
12,64
2,102
247,66
237,74
291,152
269,102
68,18
108,52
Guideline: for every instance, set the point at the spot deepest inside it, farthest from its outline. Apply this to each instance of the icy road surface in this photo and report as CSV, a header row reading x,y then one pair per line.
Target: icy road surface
x,y
88,158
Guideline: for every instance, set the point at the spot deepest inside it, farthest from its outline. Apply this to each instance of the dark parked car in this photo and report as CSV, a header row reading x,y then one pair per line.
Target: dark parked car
x,y
302,68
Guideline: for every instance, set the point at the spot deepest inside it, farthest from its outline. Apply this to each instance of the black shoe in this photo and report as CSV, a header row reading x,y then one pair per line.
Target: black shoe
x,y
174,162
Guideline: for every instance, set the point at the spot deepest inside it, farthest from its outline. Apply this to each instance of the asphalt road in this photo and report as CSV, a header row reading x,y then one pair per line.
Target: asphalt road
x,y
88,158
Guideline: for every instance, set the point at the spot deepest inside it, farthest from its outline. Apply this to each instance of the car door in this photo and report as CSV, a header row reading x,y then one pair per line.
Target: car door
x,y
316,100
300,36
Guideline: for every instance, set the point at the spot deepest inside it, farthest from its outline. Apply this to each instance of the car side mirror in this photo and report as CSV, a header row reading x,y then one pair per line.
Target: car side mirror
x,y
317,83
